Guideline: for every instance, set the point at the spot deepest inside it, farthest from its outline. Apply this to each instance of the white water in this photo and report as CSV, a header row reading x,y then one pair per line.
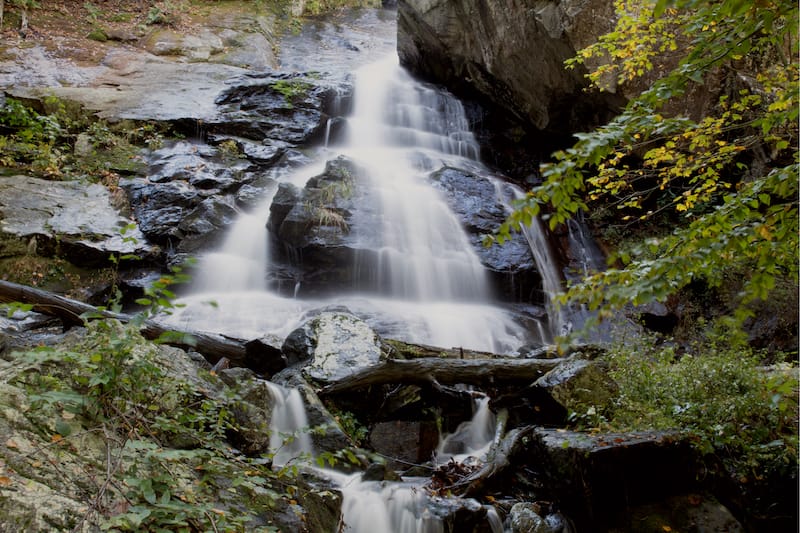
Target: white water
x,y
433,288
371,506
289,439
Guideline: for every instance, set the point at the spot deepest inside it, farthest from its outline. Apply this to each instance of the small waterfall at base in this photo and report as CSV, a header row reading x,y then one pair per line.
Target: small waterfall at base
x,y
370,506
289,439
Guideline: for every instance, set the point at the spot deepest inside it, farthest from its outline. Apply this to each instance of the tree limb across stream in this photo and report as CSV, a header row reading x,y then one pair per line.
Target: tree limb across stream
x,y
448,367
73,313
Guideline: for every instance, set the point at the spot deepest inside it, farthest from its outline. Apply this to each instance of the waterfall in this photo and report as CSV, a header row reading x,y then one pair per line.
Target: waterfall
x,y
424,282
426,255
289,439
370,506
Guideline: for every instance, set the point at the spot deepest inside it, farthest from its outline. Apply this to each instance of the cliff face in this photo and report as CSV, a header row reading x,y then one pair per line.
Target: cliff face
x,y
510,53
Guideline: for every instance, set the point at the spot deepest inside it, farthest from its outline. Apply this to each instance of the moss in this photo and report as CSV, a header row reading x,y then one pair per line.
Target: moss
x,y
98,34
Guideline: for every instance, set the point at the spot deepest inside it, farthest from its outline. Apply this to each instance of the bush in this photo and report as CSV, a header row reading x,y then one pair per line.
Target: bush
x,y
719,394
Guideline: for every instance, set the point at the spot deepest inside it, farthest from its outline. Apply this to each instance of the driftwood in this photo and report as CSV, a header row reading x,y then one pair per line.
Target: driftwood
x,y
449,366
433,370
74,313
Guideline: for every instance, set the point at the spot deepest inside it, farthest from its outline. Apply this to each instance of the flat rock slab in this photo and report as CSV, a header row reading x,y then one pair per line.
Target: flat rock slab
x,y
76,214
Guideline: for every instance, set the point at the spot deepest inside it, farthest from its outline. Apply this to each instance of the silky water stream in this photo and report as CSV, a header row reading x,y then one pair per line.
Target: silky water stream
x,y
427,285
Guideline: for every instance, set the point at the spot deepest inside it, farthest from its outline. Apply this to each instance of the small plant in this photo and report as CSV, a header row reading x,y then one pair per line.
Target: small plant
x,y
718,393
292,89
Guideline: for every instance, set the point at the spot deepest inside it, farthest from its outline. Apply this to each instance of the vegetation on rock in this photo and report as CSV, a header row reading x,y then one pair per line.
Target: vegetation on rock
x,y
716,189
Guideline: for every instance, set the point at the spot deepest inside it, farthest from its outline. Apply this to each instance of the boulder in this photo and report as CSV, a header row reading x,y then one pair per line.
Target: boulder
x,y
340,343
332,224
475,200
579,384
71,218
597,478
510,53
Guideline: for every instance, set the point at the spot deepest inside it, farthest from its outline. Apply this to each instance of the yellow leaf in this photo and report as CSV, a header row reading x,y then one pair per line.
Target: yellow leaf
x,y
5,481
666,528
56,438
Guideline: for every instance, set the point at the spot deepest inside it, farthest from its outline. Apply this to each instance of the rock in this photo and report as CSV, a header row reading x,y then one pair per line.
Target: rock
x,y
579,383
204,226
524,518
121,35
160,208
475,201
404,442
165,42
251,410
684,512
479,46
597,478
291,108
340,343
75,218
328,434
333,224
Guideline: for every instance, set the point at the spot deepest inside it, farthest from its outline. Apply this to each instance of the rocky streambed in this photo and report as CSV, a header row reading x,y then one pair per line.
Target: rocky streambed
x,y
262,121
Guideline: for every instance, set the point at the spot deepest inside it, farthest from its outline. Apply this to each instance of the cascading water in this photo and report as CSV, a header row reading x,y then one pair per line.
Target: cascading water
x,y
427,285
289,439
405,507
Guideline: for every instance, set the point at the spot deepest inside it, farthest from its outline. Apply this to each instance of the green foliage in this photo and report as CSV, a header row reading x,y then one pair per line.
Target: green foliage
x,y
718,393
317,7
724,181
45,142
169,466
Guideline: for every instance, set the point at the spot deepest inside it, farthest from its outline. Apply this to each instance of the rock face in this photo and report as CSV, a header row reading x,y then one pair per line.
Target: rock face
x,y
39,216
510,52
474,199
331,224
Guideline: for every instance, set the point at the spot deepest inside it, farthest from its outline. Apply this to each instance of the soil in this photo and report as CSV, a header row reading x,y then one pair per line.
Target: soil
x,y
63,26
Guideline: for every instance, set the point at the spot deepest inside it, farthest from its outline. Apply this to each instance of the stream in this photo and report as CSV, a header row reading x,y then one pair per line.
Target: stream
x,y
424,283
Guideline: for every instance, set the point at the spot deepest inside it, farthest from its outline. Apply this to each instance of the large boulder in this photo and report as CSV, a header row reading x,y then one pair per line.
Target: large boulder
x,y
338,344
512,53
333,224
71,218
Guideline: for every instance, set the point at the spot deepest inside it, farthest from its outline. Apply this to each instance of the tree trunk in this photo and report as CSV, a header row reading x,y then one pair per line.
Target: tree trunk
x,y
2,12
75,313
428,370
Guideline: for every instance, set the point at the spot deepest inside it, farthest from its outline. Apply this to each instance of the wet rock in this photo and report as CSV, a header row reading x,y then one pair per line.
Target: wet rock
x,y
204,226
251,411
475,201
292,108
75,218
340,344
333,224
525,518
404,442
160,208
328,435
579,383
597,478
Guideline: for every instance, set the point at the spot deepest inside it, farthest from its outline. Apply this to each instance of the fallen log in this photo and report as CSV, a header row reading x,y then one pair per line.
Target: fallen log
x,y
431,370
74,313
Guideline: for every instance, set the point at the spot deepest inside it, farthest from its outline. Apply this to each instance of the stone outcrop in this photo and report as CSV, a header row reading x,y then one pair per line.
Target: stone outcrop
x,y
75,219
511,53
